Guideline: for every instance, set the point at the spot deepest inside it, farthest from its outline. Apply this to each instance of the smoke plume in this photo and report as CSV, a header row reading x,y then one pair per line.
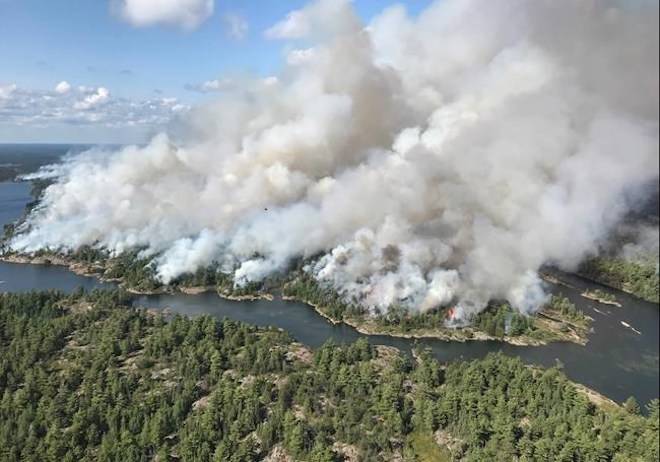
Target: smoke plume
x,y
429,160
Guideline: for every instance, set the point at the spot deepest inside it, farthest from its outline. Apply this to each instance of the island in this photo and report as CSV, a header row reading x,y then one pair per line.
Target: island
x,y
601,296
88,377
559,320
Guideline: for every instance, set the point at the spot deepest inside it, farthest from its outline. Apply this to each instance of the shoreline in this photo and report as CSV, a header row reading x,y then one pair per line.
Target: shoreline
x,y
556,278
552,279
246,298
591,296
623,290
461,335
595,397
446,334
96,271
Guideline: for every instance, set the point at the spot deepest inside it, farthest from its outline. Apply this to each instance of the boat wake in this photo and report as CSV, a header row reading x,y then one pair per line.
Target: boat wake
x,y
628,326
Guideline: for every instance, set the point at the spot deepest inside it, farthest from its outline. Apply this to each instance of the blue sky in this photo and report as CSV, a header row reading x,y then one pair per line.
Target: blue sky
x,y
112,60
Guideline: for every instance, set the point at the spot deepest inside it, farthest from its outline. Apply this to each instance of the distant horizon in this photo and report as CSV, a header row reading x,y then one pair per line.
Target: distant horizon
x,y
90,73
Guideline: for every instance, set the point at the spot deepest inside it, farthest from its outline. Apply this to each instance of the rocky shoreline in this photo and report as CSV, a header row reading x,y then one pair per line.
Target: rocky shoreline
x,y
596,280
462,335
622,289
248,298
78,268
363,326
592,296
96,270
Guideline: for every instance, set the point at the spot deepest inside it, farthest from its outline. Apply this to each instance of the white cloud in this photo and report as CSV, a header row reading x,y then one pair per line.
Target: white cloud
x,y
7,90
236,27
211,86
99,96
63,87
295,25
82,106
233,85
270,81
187,14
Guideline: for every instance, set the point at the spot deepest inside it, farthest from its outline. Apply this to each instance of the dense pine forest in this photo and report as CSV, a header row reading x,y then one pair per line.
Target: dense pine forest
x,y
639,278
86,377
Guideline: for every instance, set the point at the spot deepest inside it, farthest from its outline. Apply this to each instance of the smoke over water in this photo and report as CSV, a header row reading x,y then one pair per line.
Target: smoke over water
x,y
429,160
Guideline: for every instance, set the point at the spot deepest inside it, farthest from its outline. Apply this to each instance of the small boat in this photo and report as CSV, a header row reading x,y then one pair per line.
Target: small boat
x,y
625,324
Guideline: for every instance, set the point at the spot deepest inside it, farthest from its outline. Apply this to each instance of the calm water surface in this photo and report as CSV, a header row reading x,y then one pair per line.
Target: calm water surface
x,y
617,362
13,197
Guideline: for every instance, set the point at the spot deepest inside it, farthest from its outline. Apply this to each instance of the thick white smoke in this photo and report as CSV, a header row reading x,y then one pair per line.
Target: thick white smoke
x,y
430,160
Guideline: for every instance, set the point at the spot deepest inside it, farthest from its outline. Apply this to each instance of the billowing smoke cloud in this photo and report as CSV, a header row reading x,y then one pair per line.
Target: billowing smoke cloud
x,y
431,160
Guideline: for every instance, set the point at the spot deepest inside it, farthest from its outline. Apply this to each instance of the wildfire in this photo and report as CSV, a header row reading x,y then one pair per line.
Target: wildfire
x,y
450,313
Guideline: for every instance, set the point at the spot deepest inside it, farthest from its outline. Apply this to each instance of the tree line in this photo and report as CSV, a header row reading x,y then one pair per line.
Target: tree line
x,y
639,278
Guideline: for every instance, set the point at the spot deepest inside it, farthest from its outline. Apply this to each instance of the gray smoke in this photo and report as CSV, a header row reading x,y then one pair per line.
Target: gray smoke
x,y
430,160
634,241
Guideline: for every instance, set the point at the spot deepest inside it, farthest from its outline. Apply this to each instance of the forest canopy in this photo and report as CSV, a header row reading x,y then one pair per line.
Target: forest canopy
x,y
87,377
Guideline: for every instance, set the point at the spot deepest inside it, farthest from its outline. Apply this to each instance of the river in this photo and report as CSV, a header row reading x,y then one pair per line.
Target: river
x,y
617,362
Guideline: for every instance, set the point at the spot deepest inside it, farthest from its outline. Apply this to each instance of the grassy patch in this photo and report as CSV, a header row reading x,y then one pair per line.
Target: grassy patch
x,y
425,449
